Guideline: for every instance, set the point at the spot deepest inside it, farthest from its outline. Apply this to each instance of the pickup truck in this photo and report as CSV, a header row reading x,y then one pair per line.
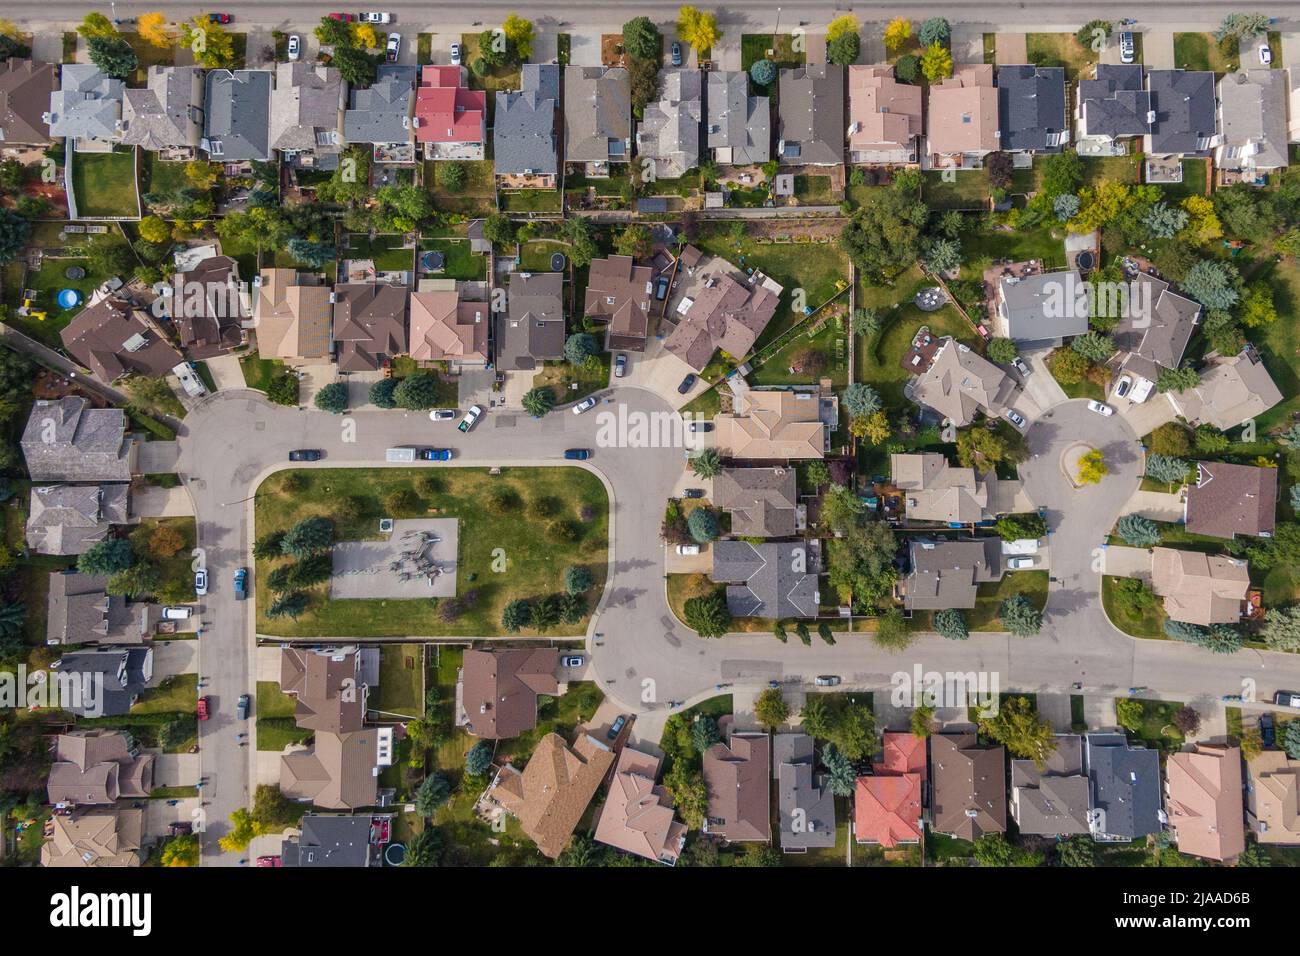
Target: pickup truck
x,y
401,454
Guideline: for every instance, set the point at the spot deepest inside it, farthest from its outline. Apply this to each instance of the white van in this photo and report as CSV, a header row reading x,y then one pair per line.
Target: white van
x,y
177,613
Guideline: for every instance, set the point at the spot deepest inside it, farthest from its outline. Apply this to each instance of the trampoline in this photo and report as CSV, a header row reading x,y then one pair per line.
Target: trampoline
x,y
433,261
394,854
74,273
69,298
1084,261
557,262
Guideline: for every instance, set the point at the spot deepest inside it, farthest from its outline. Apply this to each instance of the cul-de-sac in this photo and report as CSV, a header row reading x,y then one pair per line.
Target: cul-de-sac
x,y
634,434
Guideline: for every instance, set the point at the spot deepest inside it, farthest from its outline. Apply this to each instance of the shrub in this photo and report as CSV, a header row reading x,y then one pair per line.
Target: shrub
x,y
333,398
763,72
951,623
1137,531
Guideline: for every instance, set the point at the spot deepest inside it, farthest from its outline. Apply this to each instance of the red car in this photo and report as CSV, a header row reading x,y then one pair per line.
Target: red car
x,y
268,861
203,708
345,17
219,18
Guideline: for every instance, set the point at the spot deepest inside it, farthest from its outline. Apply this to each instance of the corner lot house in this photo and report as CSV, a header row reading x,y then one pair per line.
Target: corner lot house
x,y
68,519
1053,800
499,690
1153,332
960,383
620,291
369,325
810,116
739,126
720,309
738,775
887,804
98,767
1273,798
25,90
806,804
67,440
450,118
98,838
884,117
523,130
938,491
597,117
1252,115
763,502
770,579
1112,109
962,121
1031,108
86,108
1227,500
113,338
947,574
167,116
670,133
1125,788
1204,803
638,813
1232,390
293,316
1199,588
970,789
237,115
777,425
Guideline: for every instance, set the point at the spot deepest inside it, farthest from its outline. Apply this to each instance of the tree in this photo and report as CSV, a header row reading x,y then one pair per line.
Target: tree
x,y
112,55
891,631
634,241
433,793
866,322
1166,468
907,68
107,557
897,33
708,614
704,733
1129,713
641,38
578,579
212,45
332,398
770,707
381,393
519,35
1243,26
1068,367
951,623
154,229
874,428
1065,207
1017,726
355,66
763,72
165,541
936,62
1092,468
96,25
283,389
697,28
417,392
922,721
516,615
313,255
1208,440
1213,284
291,605
1001,350
183,850
1251,743
846,723
1170,439
843,41
1076,851
1187,720
707,464
703,525
308,536
1291,739
940,255
1094,346
1164,221
884,238
934,30
1020,526
333,33
839,769
801,631
1257,307
1281,630
1019,616
689,792
580,347
538,401
861,400
1138,531
981,448
1177,379
1092,35
155,30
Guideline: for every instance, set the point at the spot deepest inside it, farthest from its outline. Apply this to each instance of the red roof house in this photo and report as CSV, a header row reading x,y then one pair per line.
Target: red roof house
x,y
450,118
887,806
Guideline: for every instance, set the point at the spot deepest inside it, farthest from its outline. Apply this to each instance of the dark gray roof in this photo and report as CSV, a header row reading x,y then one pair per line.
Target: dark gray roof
x,y
166,114
125,670
1158,336
737,121
1185,108
80,612
332,840
763,580
1125,785
1115,104
946,574
806,804
523,130
67,440
597,114
1039,308
68,519
532,328
382,112
1031,107
237,110
810,118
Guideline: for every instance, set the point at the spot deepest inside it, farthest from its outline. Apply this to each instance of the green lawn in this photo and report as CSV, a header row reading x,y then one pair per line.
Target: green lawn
x,y
830,341
813,190
535,254
258,372
563,376
1149,623
177,571
461,262
177,694
47,282
401,680
473,198
530,200
157,176
148,55
1200,51
389,252
560,715
754,47
535,563
1157,729
1059,49
984,616
969,189
1124,169
104,184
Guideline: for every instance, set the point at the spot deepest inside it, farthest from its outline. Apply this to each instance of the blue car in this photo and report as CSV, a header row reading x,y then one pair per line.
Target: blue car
x,y
617,727
577,454
241,584
435,454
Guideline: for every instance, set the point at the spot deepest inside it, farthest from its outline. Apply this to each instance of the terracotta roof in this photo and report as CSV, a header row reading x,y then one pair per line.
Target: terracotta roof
x,y
293,320
638,813
884,114
1227,500
963,112
500,688
776,425
738,776
887,804
1204,803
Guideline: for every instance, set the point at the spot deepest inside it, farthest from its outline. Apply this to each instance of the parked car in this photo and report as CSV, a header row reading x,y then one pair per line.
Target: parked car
x,y
687,384
688,549
344,17
375,17
1019,562
694,492
577,454
661,288
455,54
573,660
305,454
1265,54
585,405
268,861
699,426
1286,698
620,365
202,709
1021,366
219,18
616,727
177,612
394,49
470,418
1015,418
1141,391
241,584
201,582
295,47
442,414
435,454
827,680
1127,49
1266,734
677,53
1099,407
241,710
1123,385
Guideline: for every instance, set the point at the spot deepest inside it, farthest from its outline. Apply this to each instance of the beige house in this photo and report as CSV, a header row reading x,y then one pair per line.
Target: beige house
x,y
1273,798
97,767
720,309
1199,588
938,491
638,813
1203,801
339,772
960,383
884,116
293,319
1231,391
962,126
447,328
773,425
101,838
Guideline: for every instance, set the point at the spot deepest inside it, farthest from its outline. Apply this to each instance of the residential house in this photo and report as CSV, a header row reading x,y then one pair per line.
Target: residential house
x,y
293,316
86,108
1252,115
810,115
450,118
947,574
737,774
166,117
1199,588
770,579
338,840
524,141
1031,109
721,309
237,115
887,804
97,838
1204,803
1273,798
448,328
1125,788
959,383
121,672
1112,108
79,611
670,131
381,113
369,325
499,690
620,291
307,106
25,90
551,794
1052,800
208,307
68,519
739,126
777,425
98,767
969,787
1186,114
1232,390
531,330
805,802
637,816
763,502
1227,500
330,687
1041,309
1154,330
597,117
884,117
938,491
67,440
962,119
113,339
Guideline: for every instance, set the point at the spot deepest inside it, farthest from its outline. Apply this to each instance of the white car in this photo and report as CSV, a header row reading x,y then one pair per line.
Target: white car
x,y
394,49
1015,418
688,549
375,17
455,54
470,418
587,403
295,47
1099,407
177,612
1265,54
1019,563
201,582
442,414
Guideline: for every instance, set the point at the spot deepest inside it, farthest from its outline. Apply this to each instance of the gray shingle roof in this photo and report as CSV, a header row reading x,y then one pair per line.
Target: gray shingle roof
x,y
1115,104
1031,107
88,105
68,519
237,107
523,130
80,612
329,840
306,108
761,500
66,440
167,113
1052,801
1185,108
125,670
946,574
737,121
381,113
1253,105
532,327
597,114
1038,308
810,116
806,804
1156,337
670,131
763,580
1125,784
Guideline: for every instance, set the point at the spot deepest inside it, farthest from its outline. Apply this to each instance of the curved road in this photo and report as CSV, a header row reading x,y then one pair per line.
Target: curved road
x,y
647,658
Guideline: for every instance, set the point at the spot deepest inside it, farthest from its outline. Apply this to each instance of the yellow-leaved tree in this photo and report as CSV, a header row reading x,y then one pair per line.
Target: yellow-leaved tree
x,y
519,32
363,34
698,28
842,25
936,62
896,34
156,31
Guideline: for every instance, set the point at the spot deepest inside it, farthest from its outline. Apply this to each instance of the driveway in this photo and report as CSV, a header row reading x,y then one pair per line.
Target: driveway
x,y
1011,48
1124,562
661,372
1039,384
157,457
150,501
1156,505
1147,417
1158,50
584,49
175,770
158,816
226,372
174,657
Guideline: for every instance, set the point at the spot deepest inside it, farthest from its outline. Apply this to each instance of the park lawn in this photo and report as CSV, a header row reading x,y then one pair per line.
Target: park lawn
x,y
571,383
1149,623
990,595
968,190
535,254
401,680
829,341
530,200
1060,49
1200,51
178,694
813,190
460,261
258,372
389,252
754,47
104,185
535,564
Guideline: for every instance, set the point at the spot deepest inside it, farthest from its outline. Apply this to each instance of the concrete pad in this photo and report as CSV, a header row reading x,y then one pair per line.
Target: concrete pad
x,y
158,816
47,47
151,501
226,372
727,55
1150,415
661,372
1156,505
546,47
1158,50
888,716
176,770
1125,562
1012,48
156,457
1055,709
815,48
967,45
517,384
174,657
1040,385
312,378
1099,713
266,767
1290,52
358,384
584,49
268,664
362,568
1214,721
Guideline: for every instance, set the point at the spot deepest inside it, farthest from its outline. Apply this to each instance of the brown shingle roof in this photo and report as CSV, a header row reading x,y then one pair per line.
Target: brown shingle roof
x,y
337,773
25,88
1199,588
1228,500
500,688
761,500
1204,802
970,792
738,776
638,813
96,767
330,695
293,320
443,327
101,838
618,289
112,339
369,325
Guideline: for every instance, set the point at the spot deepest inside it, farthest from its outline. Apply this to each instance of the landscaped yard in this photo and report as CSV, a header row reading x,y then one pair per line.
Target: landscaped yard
x,y
968,189
530,200
564,376
1157,729
1059,49
473,198
276,727
984,616
1200,51
535,254
813,190
830,342
1148,623
401,680
258,372
754,47
47,282
104,185
389,252
459,260
535,557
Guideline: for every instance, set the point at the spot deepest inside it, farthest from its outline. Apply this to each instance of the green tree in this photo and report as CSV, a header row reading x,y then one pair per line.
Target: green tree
x,y
951,623
704,733
516,615
843,48
1001,350
763,72
1170,439
892,632
499,230
538,401
291,605
934,30
578,579
641,38
634,241
707,464
417,392
1138,531
580,347
381,393
113,56
433,793
356,67
107,557
1281,631
861,400
1213,284
426,849
1177,379
283,389
334,33
1129,713
1019,616
770,707
1076,851
884,238
689,792
1019,728
1094,346
1167,469
333,398
936,62
841,776
707,614
308,536
703,525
